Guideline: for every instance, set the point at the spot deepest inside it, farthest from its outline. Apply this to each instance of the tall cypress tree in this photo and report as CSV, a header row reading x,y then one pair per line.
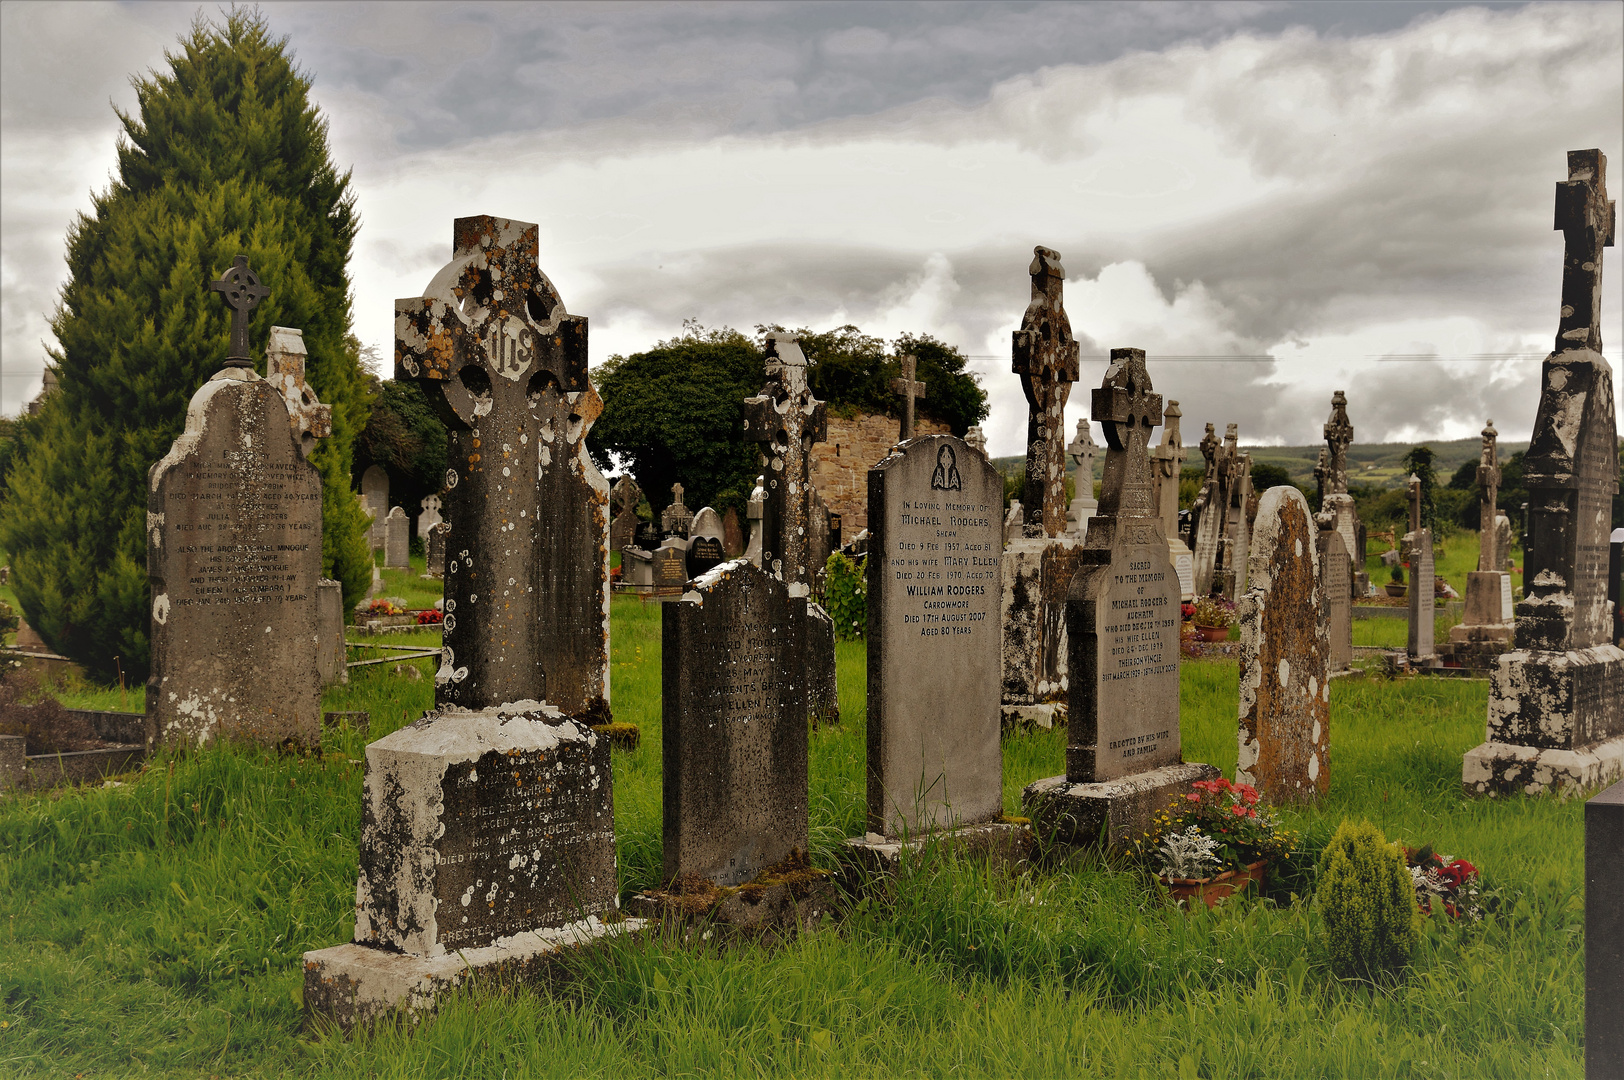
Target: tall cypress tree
x,y
224,155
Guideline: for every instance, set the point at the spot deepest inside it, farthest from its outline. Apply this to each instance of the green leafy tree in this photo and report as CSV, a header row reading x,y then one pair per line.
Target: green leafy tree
x,y
225,154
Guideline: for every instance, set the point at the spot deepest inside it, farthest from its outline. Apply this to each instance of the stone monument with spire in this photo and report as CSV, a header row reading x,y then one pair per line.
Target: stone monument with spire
x,y
1556,701
1168,459
1485,630
1081,450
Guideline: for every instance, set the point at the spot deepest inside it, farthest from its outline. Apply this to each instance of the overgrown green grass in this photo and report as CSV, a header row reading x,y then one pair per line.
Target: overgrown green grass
x,y
155,928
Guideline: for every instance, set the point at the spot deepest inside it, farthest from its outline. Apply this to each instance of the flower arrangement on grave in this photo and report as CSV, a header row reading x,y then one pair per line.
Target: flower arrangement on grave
x,y
1216,827
1452,883
429,617
1213,611
384,606
1187,611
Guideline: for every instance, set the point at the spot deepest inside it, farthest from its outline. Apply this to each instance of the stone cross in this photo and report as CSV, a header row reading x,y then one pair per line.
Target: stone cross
x,y
1046,359
1338,436
1488,477
909,389
1081,450
786,420
977,438
285,371
243,292
1322,469
1414,486
505,366
1587,220
1128,411
626,494
1169,466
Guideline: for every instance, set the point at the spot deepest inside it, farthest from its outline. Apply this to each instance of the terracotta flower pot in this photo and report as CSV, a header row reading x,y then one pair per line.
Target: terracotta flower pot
x,y
1212,633
1213,889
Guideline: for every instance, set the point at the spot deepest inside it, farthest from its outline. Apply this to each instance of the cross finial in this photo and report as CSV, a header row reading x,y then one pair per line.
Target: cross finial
x,y
1129,411
676,494
1414,486
1338,437
243,292
1587,220
909,389
1046,358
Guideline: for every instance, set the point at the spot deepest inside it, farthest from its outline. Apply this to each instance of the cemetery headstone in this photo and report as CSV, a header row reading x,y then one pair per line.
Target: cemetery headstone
x,y
1012,521
1207,513
624,497
1037,568
434,550
375,496
234,559
1604,935
285,371
817,546
1335,569
732,535
429,518
1423,583
1285,710
1169,458
504,365
822,688
908,388
735,746
1337,508
670,566
330,655
1233,551
487,836
1556,702
637,568
933,721
676,519
1124,753
976,439
705,547
397,539
1081,450
1485,630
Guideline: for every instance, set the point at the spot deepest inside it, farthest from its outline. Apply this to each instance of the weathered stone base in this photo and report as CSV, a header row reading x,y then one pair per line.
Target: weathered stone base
x,y
1504,768
761,910
353,985
1030,717
1036,576
1476,647
1115,811
1006,842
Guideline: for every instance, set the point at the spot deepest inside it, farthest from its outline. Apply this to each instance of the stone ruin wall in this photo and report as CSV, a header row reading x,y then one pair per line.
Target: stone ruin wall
x,y
840,465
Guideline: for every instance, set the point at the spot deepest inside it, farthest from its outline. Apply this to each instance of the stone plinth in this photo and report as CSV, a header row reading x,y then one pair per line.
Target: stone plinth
x,y
1604,935
1485,634
1113,812
1556,720
234,560
1036,574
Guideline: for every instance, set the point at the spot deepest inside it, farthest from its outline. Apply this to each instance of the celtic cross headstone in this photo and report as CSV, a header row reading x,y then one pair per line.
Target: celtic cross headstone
x,y
243,292
785,419
1488,477
1046,359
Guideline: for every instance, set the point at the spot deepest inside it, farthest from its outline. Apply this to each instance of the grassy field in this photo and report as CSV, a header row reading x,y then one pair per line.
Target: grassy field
x,y
155,927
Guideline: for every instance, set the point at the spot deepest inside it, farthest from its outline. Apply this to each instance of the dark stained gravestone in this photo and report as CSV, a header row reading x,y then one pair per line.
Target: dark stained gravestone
x,y
487,840
1211,504
671,568
330,633
675,518
705,549
1556,702
234,561
735,734
527,608
434,549
785,419
1335,571
1285,698
1604,935
624,497
1124,754
822,687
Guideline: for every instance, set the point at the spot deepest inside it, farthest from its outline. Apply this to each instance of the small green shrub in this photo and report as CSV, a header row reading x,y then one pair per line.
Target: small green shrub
x,y
1367,899
845,595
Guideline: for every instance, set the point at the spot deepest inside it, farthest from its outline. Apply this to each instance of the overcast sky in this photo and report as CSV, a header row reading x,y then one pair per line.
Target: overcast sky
x,y
1325,184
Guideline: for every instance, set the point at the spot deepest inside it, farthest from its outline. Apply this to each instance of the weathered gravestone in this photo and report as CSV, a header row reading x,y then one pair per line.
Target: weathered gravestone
x,y
732,534
625,496
1485,629
330,654
933,725
1169,461
375,497
1335,570
705,548
676,519
637,568
397,539
735,734
670,568
1423,584
429,518
234,560
822,687
1285,697
1604,935
1207,512
976,439
505,367
754,510
1084,505
434,550
1337,510
1234,550
1037,567
487,837
1124,754
1556,703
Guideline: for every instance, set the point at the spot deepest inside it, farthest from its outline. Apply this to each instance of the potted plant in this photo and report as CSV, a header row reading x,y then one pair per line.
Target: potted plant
x,y
1212,841
1213,616
1395,587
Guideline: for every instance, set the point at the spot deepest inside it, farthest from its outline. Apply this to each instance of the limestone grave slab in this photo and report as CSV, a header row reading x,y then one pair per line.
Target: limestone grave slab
x,y
735,732
234,560
934,759
1336,574
1285,692
330,654
397,539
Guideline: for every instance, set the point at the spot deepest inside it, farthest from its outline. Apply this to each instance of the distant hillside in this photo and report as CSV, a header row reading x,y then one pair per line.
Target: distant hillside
x,y
1369,464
